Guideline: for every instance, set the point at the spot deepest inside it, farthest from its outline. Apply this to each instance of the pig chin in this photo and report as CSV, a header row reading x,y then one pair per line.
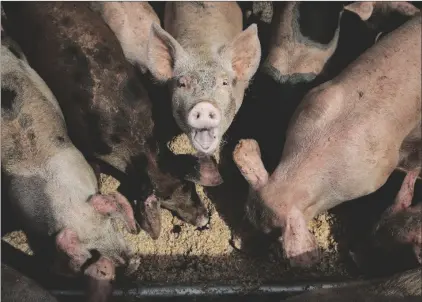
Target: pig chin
x,y
205,141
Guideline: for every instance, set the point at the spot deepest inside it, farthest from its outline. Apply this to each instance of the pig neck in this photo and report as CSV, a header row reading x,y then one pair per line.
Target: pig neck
x,y
61,187
288,189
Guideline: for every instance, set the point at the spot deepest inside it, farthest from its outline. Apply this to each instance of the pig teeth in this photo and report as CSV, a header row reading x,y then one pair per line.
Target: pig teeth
x,y
204,137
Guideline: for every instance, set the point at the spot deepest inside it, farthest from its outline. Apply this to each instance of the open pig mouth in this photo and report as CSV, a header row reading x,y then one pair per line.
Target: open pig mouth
x,y
205,140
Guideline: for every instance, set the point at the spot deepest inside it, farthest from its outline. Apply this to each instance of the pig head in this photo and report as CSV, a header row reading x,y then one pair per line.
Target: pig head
x,y
304,37
207,63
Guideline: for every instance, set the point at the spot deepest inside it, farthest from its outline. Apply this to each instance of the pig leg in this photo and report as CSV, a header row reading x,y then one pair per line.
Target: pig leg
x,y
150,216
115,203
299,245
68,242
100,276
247,157
405,195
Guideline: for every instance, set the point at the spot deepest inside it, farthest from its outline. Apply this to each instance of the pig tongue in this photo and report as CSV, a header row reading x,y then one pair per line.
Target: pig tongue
x,y
205,137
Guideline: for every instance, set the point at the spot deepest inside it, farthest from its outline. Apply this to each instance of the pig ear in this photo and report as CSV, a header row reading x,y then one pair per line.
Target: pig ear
x,y
362,9
163,51
115,203
150,216
245,53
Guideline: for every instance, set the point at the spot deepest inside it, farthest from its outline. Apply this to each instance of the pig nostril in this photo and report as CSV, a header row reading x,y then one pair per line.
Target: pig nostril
x,y
212,115
198,115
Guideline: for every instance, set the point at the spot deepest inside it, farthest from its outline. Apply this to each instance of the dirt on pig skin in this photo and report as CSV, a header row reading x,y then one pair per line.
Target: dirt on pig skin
x,y
185,254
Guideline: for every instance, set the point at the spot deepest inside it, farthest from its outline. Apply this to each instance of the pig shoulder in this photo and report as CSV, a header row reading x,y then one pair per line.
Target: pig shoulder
x,y
84,65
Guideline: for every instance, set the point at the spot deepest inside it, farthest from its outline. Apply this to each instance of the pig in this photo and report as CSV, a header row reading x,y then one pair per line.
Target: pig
x,y
304,36
131,23
343,142
401,223
400,287
207,61
105,105
383,16
51,187
18,287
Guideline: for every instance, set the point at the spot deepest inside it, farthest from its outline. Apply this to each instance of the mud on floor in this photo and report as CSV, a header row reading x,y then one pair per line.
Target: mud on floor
x,y
184,254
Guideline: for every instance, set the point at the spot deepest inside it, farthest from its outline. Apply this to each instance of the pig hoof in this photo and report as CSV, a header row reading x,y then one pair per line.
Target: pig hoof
x,y
247,157
244,148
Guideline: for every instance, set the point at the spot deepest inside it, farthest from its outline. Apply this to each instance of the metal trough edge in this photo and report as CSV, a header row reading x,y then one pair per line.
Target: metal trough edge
x,y
163,291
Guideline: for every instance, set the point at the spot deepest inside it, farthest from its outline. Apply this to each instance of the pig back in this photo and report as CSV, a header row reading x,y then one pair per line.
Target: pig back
x,y
385,82
346,134
203,24
82,62
33,128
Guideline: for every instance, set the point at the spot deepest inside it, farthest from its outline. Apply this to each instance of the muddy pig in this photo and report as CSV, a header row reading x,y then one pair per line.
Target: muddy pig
x,y
343,142
107,109
207,61
401,223
131,23
52,188
16,287
402,287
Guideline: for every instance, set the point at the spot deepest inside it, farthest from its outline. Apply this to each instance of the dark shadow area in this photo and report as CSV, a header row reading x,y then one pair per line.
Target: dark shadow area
x,y
357,219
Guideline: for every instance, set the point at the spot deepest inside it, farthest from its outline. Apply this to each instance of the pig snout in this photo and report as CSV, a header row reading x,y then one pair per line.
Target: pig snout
x,y
100,275
204,119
